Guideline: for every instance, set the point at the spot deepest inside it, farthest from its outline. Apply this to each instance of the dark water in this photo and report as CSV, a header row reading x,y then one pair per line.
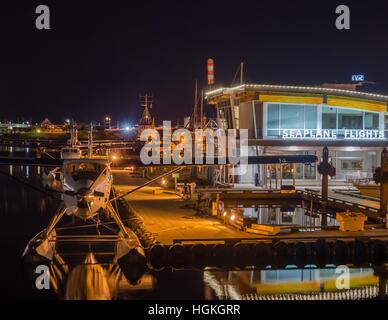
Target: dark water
x,y
25,212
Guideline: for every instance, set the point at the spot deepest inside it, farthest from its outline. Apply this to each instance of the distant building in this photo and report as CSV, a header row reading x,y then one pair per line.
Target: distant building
x,y
8,126
47,126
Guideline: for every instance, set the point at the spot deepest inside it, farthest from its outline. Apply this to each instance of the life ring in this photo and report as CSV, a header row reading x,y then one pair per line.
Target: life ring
x,y
158,257
341,253
199,256
241,255
378,253
177,256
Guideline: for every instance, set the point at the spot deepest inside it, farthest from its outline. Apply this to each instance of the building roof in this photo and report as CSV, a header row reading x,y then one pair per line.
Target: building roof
x,y
296,89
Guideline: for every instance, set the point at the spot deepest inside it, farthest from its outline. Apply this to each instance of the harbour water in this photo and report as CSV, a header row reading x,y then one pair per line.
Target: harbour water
x,y
24,212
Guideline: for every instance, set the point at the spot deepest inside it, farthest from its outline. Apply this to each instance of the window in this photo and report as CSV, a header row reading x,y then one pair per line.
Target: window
x,y
310,172
273,120
310,117
350,119
371,120
329,118
351,164
386,126
292,117
84,170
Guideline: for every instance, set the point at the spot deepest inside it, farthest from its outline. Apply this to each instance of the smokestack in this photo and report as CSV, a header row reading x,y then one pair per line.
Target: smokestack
x,y
210,72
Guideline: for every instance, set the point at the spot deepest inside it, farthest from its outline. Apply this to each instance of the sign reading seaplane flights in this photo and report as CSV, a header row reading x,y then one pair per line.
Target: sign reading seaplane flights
x,y
328,134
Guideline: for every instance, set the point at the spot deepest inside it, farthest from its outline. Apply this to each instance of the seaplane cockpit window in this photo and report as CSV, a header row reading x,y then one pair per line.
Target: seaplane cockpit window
x,y
84,170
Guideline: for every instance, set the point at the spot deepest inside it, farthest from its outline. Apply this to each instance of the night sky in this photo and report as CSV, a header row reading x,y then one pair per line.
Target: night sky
x,y
100,55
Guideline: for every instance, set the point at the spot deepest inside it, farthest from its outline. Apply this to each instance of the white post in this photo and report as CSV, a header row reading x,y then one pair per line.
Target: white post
x,y
386,221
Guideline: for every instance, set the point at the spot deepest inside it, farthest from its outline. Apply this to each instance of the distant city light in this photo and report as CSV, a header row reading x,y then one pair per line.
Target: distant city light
x,y
127,128
114,157
233,217
38,130
164,181
67,121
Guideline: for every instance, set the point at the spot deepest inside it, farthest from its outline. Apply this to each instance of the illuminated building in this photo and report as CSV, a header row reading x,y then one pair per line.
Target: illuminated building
x,y
302,120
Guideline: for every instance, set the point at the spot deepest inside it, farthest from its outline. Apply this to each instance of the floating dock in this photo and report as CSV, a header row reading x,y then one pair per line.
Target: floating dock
x,y
183,238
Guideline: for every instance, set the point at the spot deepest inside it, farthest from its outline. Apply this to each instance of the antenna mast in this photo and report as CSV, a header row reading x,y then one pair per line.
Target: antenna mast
x,y
241,72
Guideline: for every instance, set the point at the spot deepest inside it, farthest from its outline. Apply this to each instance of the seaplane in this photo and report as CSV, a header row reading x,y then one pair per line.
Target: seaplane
x,y
86,193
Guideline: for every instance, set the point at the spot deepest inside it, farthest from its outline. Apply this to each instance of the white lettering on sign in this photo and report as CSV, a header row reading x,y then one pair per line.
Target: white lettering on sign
x,y
329,134
358,77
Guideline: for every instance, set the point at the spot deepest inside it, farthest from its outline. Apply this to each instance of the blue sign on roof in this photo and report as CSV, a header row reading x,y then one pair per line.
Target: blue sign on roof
x,y
358,77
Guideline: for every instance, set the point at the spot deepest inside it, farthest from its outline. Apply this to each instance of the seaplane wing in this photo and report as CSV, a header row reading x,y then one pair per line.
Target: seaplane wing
x,y
42,162
270,159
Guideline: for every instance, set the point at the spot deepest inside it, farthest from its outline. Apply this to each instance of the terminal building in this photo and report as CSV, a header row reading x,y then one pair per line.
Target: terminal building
x,y
302,120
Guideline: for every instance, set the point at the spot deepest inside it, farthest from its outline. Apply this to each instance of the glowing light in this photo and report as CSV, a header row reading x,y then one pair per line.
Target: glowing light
x,y
233,217
164,181
127,128
301,88
225,213
114,157
38,130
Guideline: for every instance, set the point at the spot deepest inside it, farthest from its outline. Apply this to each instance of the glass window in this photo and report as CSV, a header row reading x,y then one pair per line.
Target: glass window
x,y
351,164
371,120
273,120
350,119
273,116
386,126
310,172
310,116
84,170
329,118
292,116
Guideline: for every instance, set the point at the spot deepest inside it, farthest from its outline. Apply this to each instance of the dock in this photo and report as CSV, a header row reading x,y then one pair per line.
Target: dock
x,y
185,238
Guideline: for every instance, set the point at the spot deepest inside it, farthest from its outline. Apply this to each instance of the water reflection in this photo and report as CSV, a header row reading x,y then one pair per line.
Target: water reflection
x,y
295,214
293,284
93,281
